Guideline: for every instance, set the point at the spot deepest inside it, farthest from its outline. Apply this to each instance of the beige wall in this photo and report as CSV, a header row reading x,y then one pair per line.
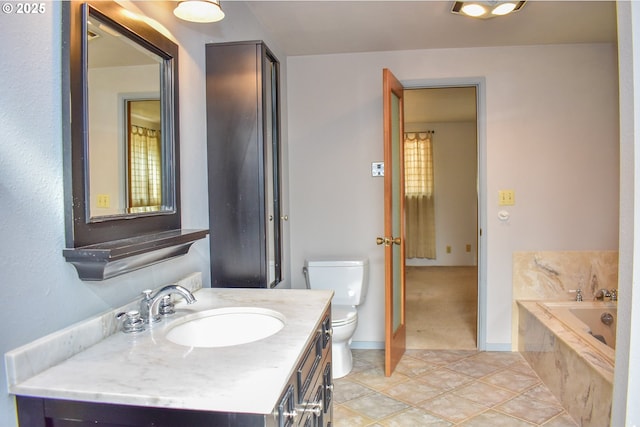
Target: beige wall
x,y
548,130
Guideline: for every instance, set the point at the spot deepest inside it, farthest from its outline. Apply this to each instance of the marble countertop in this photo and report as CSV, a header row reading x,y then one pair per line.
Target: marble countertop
x,y
146,369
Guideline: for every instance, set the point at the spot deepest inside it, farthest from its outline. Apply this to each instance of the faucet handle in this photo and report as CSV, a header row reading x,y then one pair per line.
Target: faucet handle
x,y
578,293
132,321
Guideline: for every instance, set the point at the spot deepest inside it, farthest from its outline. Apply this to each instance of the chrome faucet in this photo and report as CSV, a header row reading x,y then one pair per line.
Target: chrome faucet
x,y
601,294
152,306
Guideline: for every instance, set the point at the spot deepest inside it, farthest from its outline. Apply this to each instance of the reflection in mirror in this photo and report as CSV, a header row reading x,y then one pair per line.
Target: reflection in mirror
x,y
121,145
125,125
144,156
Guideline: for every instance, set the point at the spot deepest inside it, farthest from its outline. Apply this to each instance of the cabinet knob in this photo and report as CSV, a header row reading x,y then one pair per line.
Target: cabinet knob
x,y
285,217
328,333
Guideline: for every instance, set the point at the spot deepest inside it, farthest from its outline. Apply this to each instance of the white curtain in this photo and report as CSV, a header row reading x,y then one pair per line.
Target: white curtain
x,y
420,233
145,171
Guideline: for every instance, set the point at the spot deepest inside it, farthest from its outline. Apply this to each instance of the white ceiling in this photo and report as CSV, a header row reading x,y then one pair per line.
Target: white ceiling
x,y
308,27
325,27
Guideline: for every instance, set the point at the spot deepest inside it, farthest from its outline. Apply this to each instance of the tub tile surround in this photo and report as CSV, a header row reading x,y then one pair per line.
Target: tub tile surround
x,y
31,359
584,384
552,275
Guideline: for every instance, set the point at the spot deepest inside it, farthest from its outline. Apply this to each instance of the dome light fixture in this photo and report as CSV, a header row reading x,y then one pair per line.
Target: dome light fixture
x,y
486,9
202,11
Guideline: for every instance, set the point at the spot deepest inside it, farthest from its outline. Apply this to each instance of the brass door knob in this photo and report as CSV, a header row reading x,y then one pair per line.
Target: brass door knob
x,y
388,241
382,241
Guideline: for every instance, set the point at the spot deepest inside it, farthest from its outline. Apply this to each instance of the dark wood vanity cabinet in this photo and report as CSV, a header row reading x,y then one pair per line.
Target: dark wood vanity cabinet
x,y
308,397
243,155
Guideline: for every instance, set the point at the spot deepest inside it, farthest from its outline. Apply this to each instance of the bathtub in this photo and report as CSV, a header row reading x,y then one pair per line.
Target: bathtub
x,y
573,353
587,320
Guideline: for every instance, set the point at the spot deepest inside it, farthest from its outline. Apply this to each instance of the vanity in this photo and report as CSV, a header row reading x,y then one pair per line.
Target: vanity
x,y
141,379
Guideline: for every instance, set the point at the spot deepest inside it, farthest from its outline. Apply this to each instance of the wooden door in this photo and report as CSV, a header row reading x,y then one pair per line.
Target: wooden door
x,y
393,240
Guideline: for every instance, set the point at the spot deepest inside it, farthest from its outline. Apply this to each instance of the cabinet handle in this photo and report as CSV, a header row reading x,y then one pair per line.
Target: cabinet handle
x,y
293,415
314,407
285,217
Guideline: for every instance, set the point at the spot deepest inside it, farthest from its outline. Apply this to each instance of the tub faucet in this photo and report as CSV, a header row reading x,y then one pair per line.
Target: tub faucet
x,y
601,294
578,293
152,306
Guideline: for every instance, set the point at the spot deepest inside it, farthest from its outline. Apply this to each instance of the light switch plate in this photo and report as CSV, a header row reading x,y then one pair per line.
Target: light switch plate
x,y
377,169
506,197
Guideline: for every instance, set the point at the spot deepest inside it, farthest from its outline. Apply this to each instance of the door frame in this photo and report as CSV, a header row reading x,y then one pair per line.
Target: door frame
x,y
481,156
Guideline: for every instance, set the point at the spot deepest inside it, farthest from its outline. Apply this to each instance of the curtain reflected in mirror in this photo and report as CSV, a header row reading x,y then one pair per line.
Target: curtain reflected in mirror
x,y
144,156
420,241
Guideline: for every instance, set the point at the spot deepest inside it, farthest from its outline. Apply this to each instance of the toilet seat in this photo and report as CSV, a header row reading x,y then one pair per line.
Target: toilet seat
x,y
343,315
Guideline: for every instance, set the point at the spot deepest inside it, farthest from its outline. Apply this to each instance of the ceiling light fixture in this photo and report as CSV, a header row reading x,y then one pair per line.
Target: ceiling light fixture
x,y
199,10
486,9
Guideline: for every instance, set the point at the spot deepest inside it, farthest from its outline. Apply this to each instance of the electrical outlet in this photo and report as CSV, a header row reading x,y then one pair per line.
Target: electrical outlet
x,y
506,197
468,248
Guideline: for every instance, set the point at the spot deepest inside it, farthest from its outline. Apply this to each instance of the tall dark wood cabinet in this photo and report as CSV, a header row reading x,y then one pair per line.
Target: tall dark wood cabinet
x,y
243,155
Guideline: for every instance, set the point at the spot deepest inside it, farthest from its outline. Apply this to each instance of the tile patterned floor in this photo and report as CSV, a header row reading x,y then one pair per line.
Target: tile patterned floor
x,y
445,388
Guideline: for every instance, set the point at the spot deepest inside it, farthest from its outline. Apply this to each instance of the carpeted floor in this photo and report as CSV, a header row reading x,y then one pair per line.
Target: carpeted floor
x,y
441,307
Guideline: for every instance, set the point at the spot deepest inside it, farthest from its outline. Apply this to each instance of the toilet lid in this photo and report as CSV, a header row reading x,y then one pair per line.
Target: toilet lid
x,y
343,314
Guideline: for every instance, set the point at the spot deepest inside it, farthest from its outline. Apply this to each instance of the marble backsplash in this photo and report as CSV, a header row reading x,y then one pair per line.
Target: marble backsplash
x,y
32,358
553,275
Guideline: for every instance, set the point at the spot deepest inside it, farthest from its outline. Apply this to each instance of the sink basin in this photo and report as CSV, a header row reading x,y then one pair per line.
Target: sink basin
x,y
224,327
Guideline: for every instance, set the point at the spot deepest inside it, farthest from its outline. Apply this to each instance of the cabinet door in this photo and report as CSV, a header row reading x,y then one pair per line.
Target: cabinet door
x,y
271,75
243,140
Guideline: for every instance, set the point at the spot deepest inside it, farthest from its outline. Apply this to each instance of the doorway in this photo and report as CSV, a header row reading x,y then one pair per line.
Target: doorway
x,y
442,286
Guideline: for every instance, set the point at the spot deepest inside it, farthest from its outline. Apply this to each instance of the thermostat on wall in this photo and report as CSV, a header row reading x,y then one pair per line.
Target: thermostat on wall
x,y
377,169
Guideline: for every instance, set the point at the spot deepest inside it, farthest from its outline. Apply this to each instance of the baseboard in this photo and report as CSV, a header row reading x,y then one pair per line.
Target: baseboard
x,y
378,345
498,346
367,345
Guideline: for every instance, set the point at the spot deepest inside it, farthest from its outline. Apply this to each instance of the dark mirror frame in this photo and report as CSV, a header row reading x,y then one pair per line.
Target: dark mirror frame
x,y
86,231
119,244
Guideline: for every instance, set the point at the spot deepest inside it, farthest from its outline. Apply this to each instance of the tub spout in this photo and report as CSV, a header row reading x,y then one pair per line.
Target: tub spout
x,y
601,294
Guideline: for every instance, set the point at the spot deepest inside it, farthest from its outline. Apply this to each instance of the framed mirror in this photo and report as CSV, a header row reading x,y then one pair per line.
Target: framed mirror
x,y
120,126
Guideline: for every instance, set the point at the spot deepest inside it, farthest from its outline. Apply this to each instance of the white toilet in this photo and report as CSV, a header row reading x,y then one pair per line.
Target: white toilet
x,y
349,280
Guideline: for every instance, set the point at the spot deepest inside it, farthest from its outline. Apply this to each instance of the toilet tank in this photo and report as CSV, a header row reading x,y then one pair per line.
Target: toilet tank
x,y
349,279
